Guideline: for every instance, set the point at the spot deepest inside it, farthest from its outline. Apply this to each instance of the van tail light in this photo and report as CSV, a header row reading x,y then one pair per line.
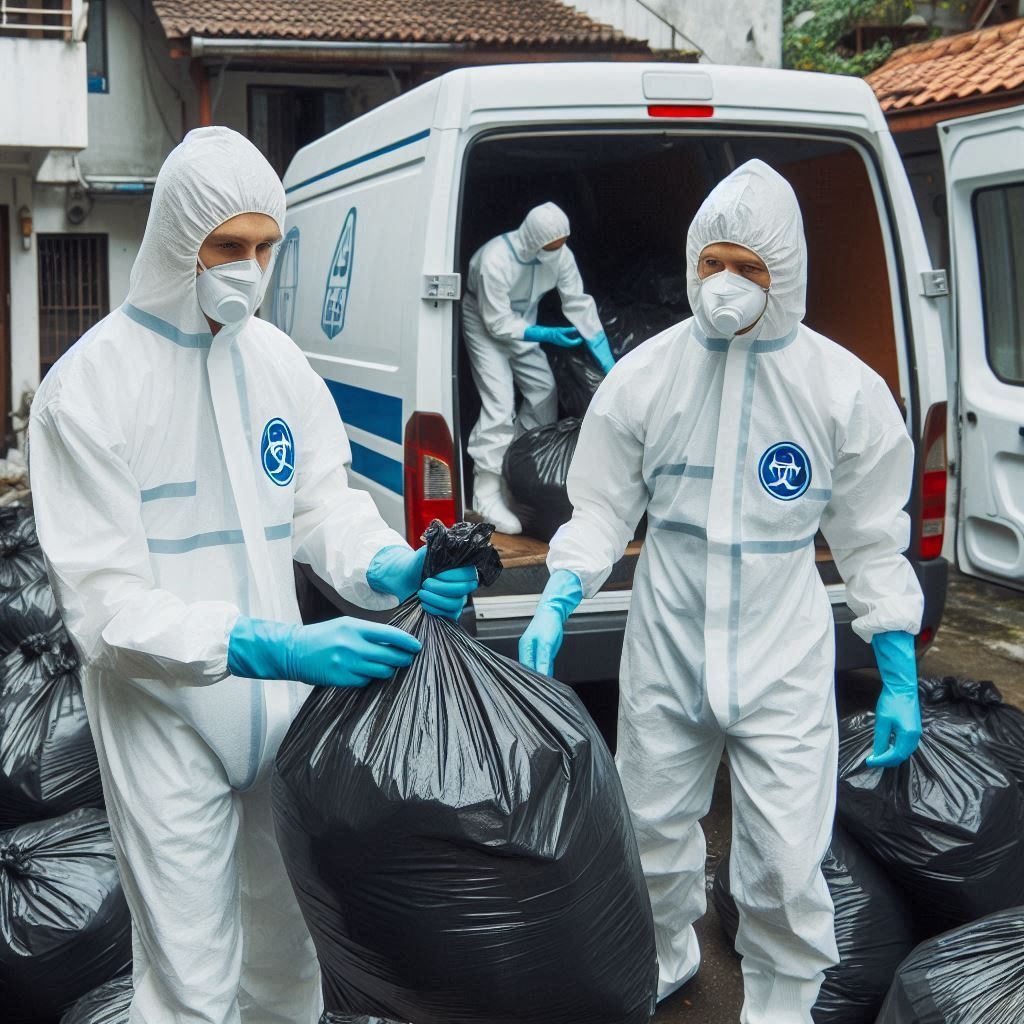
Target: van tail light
x,y
429,472
680,110
923,640
933,482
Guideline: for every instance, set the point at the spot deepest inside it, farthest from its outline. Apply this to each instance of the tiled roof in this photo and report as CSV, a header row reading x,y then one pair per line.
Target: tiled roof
x,y
476,23
952,69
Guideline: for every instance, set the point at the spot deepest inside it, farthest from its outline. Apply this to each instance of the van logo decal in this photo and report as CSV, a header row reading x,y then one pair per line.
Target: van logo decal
x,y
277,451
339,279
286,283
785,471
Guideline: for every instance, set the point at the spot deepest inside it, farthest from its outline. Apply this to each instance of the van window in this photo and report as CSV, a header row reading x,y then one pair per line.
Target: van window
x,y
999,227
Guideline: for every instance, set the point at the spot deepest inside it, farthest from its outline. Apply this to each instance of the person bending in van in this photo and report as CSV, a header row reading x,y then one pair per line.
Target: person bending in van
x,y
182,453
741,432
508,276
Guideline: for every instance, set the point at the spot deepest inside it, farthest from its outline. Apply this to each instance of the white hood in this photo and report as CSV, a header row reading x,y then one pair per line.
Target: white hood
x,y
757,208
213,175
543,224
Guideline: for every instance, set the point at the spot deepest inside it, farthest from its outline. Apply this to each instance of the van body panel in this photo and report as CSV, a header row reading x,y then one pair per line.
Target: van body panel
x,y
406,169
983,157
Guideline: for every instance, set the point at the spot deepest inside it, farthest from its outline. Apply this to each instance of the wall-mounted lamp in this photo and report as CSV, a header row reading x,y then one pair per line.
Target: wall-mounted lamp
x,y
25,220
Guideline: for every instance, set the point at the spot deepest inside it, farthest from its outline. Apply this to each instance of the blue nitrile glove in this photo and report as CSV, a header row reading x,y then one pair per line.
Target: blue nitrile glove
x,y
564,337
341,652
398,570
539,645
898,712
601,351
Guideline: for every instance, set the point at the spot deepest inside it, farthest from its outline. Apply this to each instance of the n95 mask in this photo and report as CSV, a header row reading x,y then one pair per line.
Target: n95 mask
x,y
550,255
731,303
231,292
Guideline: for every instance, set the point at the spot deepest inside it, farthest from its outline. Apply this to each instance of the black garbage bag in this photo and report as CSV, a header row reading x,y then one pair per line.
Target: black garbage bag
x,y
48,760
629,324
873,931
536,469
972,975
458,839
23,612
947,824
577,378
981,702
64,923
108,1004
21,558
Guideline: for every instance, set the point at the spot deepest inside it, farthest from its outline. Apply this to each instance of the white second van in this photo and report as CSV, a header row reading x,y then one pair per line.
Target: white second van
x,y
384,213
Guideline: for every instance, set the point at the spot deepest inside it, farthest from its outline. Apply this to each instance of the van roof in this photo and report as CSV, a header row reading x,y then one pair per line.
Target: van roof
x,y
512,94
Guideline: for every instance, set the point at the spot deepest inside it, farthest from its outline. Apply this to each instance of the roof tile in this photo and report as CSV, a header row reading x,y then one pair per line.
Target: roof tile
x,y
477,23
955,67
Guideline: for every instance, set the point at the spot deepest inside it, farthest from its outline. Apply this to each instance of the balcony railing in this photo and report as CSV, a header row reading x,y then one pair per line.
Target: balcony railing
x,y
37,19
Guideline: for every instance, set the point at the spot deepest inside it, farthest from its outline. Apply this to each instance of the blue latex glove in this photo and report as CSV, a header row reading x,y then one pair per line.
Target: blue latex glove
x,y
341,652
539,645
398,570
601,351
564,337
898,712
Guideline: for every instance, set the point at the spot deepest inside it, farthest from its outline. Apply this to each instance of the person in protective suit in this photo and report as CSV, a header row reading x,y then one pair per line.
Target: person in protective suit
x,y
508,276
182,453
741,432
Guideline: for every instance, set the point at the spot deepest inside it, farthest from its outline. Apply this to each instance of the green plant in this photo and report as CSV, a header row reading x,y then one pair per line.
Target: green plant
x,y
814,32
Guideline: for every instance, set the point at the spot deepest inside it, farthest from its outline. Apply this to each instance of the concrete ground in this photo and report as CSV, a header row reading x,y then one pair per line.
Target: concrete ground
x,y
981,637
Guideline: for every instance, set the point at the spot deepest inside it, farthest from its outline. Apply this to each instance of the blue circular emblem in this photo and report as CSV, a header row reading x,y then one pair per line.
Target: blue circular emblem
x,y
785,471
277,450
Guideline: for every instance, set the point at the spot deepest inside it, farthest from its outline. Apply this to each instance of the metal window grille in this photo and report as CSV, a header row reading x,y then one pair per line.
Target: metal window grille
x,y
36,19
74,291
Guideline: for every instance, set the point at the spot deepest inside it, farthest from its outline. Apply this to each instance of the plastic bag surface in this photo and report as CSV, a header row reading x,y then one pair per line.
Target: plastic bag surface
x,y
21,558
577,378
64,923
108,1004
873,931
48,760
947,824
536,469
458,839
972,975
981,702
27,610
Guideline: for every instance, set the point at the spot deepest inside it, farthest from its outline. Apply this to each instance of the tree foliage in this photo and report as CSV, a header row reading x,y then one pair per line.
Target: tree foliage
x,y
816,43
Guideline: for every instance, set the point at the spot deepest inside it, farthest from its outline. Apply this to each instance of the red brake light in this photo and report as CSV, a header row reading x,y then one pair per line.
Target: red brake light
x,y
429,473
680,110
933,482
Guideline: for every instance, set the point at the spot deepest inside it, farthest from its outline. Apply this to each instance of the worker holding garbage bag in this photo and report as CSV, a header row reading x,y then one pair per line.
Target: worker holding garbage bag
x,y
508,276
182,453
741,432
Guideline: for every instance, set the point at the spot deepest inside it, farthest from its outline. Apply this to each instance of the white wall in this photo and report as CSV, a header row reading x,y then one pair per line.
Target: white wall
x,y
726,31
15,192
47,78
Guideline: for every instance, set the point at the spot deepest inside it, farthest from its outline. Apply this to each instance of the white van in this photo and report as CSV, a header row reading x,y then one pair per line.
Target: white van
x,y
384,213
983,159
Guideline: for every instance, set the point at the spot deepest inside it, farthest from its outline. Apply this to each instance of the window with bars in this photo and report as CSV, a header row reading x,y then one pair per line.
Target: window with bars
x,y
74,291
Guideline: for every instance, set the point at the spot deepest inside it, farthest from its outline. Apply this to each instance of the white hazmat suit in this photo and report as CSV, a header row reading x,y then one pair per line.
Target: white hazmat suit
x,y
739,450
508,276
170,500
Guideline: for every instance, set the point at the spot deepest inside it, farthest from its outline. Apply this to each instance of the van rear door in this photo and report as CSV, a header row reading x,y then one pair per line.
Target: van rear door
x,y
983,157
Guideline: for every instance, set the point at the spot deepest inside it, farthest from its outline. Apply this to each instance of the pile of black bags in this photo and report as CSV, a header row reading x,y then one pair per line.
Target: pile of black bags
x,y
64,923
458,840
873,931
536,469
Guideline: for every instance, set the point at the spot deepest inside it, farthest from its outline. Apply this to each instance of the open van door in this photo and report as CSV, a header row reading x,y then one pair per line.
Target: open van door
x,y
983,157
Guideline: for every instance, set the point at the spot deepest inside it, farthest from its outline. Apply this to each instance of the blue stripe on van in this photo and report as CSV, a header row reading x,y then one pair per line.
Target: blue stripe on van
x,y
372,411
361,159
379,468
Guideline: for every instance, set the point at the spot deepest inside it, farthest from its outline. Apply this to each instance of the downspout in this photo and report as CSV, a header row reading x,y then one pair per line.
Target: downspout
x,y
202,84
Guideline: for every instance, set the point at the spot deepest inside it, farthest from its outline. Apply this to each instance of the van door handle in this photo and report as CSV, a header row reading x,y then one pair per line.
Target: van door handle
x,y
972,418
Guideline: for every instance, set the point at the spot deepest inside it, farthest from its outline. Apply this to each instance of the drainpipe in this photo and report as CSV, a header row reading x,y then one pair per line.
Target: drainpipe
x,y
202,84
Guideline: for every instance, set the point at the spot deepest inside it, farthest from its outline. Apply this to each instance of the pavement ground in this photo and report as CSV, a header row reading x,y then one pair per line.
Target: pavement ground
x,y
981,637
